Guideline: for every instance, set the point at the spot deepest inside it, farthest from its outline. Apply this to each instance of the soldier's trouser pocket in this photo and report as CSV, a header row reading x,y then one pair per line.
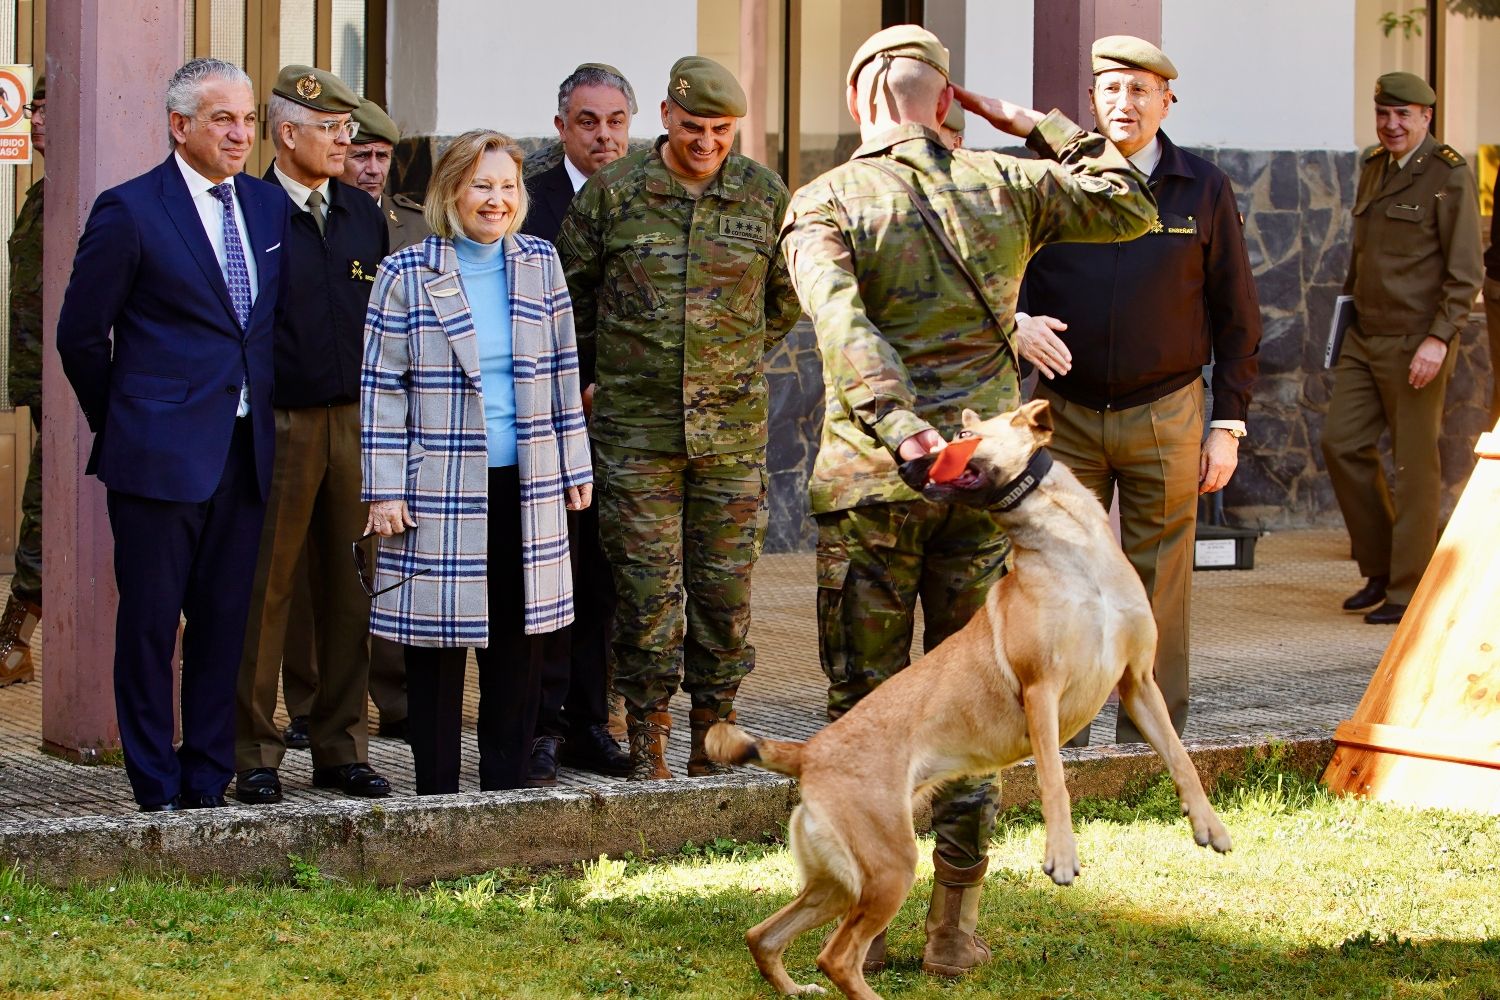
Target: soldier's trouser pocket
x,y
833,648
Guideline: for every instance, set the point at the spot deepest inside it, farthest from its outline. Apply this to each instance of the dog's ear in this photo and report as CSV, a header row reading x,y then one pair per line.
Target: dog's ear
x,y
1037,415
971,419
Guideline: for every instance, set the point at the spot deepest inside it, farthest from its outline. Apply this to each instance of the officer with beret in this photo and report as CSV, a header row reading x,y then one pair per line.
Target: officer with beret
x,y
23,609
1413,271
367,164
336,240
907,345
1120,336
678,295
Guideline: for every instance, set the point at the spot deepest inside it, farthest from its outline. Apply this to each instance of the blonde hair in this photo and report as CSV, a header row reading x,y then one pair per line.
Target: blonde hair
x,y
452,172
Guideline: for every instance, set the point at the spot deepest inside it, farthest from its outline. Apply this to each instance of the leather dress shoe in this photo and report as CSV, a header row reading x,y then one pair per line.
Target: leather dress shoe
x,y
1371,594
164,807
295,734
595,750
354,779
259,786
203,801
1386,614
541,769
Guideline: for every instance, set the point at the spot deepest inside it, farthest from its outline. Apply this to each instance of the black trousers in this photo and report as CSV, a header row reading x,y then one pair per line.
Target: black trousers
x,y
196,561
575,672
510,671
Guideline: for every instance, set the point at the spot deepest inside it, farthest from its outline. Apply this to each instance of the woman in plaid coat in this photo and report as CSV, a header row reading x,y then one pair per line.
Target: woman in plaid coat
x,y
474,442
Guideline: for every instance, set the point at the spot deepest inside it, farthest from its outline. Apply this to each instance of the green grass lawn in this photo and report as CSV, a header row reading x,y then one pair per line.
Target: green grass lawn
x,y
1321,898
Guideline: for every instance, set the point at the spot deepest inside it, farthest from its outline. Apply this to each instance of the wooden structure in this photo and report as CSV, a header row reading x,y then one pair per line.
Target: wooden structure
x,y
1427,732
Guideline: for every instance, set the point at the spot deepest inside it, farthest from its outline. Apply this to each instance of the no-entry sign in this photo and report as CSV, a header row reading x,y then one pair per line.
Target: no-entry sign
x,y
15,127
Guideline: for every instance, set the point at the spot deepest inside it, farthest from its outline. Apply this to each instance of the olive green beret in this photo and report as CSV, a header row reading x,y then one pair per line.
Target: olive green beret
x,y
607,68
315,88
954,119
911,41
703,87
374,125
1394,89
39,89
1130,52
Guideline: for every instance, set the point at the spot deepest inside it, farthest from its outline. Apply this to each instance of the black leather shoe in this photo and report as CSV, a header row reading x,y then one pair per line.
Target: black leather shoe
x,y
541,771
1371,594
259,786
203,801
295,734
354,779
393,730
596,750
164,807
1386,614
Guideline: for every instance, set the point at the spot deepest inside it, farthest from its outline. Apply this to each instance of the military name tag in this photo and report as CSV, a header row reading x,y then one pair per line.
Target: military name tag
x,y
742,228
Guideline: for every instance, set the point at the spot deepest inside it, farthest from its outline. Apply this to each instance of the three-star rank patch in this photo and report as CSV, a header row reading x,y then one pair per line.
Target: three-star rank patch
x,y
741,228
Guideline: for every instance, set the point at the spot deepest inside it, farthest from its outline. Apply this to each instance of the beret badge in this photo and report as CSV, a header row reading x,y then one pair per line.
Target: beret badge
x,y
308,87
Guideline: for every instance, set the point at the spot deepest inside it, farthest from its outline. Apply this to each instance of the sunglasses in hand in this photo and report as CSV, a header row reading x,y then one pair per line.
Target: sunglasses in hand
x,y
367,576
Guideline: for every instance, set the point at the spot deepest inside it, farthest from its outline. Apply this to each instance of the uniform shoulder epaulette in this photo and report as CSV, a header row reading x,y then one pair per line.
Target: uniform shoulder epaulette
x,y
1449,155
1371,152
407,201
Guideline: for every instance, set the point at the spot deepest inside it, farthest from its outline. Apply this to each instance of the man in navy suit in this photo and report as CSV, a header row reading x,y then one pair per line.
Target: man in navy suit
x,y
183,264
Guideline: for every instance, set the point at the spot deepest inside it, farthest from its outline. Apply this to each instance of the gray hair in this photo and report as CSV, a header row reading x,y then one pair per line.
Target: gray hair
x,y
281,109
592,76
183,90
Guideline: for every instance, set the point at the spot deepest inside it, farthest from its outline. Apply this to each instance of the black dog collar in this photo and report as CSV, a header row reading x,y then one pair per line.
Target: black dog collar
x,y
1019,488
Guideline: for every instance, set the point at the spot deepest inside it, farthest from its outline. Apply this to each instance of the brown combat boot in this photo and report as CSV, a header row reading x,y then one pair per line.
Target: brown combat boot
x,y
649,727
16,626
700,721
952,946
875,956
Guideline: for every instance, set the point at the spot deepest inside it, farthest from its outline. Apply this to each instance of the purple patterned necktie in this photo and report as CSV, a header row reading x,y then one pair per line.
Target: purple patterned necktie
x,y
235,272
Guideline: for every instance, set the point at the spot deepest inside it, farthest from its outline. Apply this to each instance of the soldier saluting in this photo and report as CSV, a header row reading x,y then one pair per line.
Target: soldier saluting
x,y
907,344
678,294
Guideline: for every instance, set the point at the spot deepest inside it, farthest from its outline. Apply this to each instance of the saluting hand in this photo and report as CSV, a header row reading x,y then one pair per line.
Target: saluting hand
x,y
389,517
1004,115
1426,362
1037,341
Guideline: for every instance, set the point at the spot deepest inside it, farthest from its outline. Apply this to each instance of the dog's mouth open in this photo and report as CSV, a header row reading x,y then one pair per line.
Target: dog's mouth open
x,y
918,473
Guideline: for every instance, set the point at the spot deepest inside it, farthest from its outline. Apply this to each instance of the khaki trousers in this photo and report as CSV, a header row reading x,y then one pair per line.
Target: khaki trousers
x,y
314,504
1151,454
1492,324
1392,535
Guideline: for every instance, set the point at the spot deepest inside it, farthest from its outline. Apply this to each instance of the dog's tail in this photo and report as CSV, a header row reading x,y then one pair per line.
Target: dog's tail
x,y
730,744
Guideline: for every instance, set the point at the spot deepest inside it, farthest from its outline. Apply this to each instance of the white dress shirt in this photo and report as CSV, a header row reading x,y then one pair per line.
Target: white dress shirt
x,y
574,174
211,214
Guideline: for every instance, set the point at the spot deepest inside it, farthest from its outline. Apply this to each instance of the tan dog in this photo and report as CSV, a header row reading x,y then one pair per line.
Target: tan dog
x,y
1056,635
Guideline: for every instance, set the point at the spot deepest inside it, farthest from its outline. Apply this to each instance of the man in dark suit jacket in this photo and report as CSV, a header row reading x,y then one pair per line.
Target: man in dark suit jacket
x,y
184,264
594,105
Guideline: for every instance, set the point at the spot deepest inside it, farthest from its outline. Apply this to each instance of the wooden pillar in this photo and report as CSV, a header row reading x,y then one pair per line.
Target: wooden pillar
x,y
1064,31
753,75
107,69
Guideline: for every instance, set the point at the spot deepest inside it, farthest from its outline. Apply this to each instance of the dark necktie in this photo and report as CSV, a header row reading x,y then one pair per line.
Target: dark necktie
x,y
236,273
315,206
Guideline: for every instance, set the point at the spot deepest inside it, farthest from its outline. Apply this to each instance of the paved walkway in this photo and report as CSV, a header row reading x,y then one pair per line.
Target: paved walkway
x,y
1271,654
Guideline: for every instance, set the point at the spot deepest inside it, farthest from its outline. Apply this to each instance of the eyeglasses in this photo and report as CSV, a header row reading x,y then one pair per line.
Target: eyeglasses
x,y
1138,94
332,129
32,110
367,579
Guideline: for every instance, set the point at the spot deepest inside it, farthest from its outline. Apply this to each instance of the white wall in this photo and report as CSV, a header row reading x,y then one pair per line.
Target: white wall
x,y
997,62
1273,74
502,72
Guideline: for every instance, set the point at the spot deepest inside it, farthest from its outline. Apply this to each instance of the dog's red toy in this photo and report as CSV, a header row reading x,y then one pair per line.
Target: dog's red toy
x,y
952,460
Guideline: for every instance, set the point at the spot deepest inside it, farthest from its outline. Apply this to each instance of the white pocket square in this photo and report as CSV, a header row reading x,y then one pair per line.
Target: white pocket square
x,y
276,247
441,293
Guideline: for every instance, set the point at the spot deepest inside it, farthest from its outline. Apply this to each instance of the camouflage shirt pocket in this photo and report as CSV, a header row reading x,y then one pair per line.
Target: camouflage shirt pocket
x,y
749,292
629,286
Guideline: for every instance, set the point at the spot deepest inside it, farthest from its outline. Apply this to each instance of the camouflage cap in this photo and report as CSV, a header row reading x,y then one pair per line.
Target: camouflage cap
x,y
1395,89
703,87
1130,52
315,88
911,41
374,125
607,68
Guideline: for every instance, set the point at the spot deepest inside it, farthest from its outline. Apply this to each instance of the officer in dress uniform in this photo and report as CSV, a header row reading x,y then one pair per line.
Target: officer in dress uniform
x,y
1414,271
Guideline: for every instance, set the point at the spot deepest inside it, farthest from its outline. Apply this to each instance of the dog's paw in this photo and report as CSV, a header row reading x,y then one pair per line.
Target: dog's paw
x,y
1209,832
807,990
1063,869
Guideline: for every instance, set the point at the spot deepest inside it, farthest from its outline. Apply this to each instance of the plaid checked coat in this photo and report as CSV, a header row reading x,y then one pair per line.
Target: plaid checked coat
x,y
423,440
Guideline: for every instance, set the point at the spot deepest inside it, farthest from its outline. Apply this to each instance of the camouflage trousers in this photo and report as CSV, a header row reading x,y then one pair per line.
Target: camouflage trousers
x,y
874,562
26,585
681,535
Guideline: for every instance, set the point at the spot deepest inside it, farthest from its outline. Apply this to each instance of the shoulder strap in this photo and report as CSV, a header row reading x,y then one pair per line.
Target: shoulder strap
x,y
929,217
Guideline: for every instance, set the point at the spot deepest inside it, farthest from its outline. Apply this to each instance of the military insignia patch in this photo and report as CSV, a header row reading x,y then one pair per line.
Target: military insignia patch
x,y
308,87
742,228
682,87
357,272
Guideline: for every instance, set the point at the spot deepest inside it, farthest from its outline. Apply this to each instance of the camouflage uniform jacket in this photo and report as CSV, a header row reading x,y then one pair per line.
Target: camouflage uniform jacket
x,y
677,301
905,344
26,301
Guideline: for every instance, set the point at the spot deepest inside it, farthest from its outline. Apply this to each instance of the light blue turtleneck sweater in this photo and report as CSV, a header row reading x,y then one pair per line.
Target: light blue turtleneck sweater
x,y
482,266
